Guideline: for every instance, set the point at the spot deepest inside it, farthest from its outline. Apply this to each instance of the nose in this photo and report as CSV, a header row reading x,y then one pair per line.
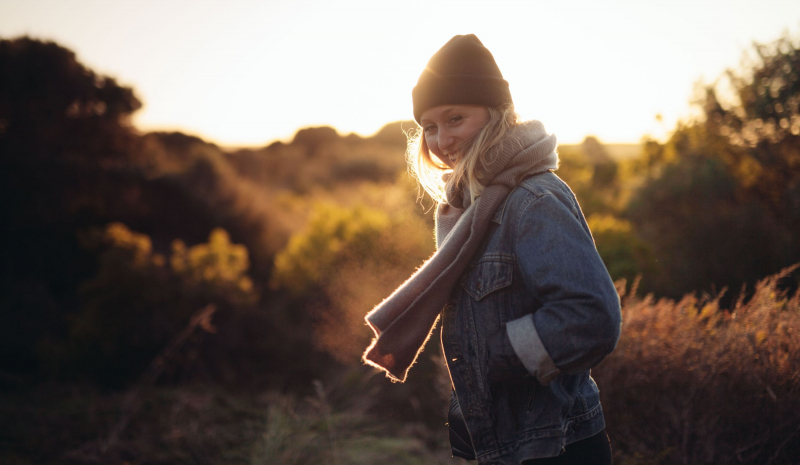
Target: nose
x,y
447,142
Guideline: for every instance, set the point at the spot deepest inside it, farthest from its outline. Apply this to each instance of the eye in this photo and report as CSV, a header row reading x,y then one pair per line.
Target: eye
x,y
429,128
456,118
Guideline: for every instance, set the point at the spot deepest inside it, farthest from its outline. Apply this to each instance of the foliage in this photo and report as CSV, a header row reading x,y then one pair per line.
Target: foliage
x,y
218,266
196,424
319,158
592,175
624,254
760,130
691,382
54,109
343,262
347,259
139,299
71,161
62,127
702,232
721,206
333,234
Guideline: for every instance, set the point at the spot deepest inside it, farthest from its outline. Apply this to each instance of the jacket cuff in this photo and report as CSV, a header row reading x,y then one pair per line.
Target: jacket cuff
x,y
530,349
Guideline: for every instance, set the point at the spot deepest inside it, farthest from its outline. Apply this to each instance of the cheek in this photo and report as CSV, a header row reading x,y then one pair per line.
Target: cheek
x,y
473,131
433,144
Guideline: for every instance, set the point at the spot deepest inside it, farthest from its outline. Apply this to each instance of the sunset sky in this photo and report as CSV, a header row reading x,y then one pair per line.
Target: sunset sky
x,y
244,73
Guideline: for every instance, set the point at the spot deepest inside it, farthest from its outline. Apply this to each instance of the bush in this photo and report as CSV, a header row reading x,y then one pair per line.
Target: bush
x,y
344,262
692,383
139,300
332,235
624,254
721,205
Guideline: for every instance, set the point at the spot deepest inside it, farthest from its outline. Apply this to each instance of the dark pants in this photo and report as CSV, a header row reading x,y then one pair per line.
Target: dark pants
x,y
592,450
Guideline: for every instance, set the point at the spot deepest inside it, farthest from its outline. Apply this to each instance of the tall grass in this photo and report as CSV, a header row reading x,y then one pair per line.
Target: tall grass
x,y
692,383
689,383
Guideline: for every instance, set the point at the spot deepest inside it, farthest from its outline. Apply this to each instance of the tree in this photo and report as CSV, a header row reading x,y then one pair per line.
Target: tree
x,y
725,208
140,299
62,127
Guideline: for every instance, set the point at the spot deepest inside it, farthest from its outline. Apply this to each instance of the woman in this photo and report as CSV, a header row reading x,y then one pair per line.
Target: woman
x,y
527,305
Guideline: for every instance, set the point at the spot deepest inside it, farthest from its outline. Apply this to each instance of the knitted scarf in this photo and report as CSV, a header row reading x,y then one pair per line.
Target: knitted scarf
x,y
404,321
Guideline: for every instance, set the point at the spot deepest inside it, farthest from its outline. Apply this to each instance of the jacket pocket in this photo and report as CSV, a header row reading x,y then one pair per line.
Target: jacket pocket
x,y
531,396
491,273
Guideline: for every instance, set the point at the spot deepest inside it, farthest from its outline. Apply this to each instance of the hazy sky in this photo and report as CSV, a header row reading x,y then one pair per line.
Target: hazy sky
x,y
249,72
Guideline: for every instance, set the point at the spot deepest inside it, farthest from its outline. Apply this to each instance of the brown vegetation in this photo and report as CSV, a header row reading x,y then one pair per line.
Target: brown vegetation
x,y
690,382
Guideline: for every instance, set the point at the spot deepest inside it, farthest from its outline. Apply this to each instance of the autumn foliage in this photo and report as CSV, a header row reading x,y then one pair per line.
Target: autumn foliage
x,y
691,382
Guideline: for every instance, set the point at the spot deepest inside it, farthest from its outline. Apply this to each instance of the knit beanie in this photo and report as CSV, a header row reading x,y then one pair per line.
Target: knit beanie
x,y
463,71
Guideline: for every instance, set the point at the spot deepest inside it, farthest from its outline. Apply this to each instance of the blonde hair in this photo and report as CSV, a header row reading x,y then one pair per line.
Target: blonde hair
x,y
429,171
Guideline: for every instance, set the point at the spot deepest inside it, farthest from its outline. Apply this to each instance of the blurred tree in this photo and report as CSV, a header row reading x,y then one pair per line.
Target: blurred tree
x,y
140,299
594,151
345,261
52,108
331,235
218,267
592,174
724,207
61,128
623,252
71,161
314,139
760,129
396,133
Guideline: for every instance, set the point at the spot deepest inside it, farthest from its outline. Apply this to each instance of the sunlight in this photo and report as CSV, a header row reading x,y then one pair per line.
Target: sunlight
x,y
251,72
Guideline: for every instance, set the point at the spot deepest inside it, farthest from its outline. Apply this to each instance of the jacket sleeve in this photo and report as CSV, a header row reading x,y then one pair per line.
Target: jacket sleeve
x,y
578,323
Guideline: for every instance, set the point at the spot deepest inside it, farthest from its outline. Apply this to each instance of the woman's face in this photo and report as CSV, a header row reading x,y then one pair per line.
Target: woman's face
x,y
445,127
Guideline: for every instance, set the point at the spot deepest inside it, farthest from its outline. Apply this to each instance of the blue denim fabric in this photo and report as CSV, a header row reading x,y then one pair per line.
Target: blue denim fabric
x,y
538,274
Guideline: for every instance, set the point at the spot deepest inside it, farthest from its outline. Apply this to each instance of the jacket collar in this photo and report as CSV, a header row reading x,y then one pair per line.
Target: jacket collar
x,y
500,212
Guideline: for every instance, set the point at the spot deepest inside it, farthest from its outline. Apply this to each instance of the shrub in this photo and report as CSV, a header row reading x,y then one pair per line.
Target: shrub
x,y
624,254
139,300
344,262
692,383
314,255
720,205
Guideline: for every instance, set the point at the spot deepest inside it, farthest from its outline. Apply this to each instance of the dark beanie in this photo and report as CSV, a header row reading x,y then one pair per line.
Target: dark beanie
x,y
463,71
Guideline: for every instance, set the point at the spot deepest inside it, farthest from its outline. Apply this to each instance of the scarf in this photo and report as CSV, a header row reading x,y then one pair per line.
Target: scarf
x,y
405,320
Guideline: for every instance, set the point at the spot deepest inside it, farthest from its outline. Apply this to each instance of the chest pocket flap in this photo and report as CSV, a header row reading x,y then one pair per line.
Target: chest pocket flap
x,y
492,272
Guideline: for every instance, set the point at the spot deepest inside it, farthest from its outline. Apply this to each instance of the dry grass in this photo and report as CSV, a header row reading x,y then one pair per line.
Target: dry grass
x,y
689,383
692,383
201,425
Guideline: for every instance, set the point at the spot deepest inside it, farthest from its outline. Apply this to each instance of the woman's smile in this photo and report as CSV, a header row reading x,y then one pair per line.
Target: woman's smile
x,y
446,127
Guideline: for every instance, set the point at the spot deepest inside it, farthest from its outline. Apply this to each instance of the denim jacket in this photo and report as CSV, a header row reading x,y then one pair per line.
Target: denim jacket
x,y
538,275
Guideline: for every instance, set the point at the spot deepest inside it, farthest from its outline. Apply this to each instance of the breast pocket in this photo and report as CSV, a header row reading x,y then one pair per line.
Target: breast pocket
x,y
483,307
489,274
